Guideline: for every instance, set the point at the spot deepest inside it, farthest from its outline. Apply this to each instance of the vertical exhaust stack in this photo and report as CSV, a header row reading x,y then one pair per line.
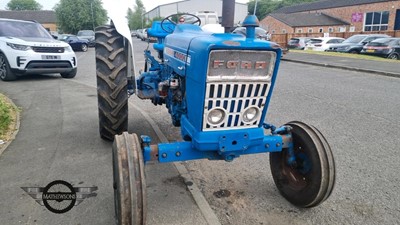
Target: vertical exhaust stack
x,y
228,15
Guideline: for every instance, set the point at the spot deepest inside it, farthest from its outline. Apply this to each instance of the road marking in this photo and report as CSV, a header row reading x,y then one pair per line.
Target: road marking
x,y
198,197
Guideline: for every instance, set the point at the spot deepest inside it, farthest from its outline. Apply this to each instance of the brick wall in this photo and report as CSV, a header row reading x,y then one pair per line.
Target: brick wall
x,y
343,13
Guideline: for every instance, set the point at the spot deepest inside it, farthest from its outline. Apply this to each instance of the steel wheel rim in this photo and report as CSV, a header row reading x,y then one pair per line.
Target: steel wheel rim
x,y
84,47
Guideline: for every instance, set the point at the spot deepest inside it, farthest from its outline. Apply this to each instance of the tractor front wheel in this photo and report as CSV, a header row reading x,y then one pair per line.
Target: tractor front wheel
x,y
129,180
112,83
310,179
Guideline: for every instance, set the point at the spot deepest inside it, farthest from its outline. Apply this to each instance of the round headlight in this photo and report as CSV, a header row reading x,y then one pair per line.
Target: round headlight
x,y
251,114
216,116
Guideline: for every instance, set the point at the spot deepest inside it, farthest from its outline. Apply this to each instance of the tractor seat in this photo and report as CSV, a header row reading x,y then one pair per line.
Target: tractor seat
x,y
157,31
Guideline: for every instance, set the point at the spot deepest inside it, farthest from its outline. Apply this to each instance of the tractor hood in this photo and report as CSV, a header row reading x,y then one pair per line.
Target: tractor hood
x,y
188,47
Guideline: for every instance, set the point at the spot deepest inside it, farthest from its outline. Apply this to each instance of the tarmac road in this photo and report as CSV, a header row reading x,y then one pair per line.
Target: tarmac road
x,y
357,112
58,139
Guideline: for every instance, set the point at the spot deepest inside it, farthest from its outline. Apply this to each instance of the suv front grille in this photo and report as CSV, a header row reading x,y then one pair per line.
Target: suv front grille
x,y
48,49
233,98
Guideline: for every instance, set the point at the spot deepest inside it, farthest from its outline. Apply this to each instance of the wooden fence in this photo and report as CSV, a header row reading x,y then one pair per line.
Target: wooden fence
x,y
283,39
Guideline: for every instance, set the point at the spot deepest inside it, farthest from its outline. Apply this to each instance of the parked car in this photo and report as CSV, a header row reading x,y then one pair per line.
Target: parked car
x,y
27,48
322,43
89,35
142,34
77,44
355,43
385,47
298,42
260,33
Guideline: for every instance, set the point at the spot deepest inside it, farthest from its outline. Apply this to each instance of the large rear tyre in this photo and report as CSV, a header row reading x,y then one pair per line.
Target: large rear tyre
x,y
129,180
311,179
111,73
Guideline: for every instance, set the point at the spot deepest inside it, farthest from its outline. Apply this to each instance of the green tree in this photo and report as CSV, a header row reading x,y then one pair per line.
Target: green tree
x,y
75,15
135,18
265,7
23,5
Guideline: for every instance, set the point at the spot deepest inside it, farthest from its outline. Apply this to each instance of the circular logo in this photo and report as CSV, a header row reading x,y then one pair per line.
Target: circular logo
x,y
59,196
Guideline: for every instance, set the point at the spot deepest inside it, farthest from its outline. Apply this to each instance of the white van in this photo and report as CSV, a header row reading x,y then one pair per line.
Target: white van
x,y
207,17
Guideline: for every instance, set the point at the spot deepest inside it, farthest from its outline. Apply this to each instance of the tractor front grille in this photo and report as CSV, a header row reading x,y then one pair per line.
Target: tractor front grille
x,y
237,81
233,98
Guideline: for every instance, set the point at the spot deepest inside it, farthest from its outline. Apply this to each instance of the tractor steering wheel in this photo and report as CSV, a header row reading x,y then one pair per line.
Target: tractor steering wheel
x,y
189,19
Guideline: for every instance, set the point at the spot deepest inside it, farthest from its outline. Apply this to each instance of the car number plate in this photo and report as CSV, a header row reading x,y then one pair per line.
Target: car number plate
x,y
51,57
370,50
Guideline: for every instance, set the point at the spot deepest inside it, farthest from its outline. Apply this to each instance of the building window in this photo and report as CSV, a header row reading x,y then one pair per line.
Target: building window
x,y
310,30
342,29
299,31
284,31
321,30
273,31
375,21
330,29
352,29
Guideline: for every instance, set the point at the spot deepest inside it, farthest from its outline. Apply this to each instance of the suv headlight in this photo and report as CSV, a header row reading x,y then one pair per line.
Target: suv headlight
x,y
19,47
68,49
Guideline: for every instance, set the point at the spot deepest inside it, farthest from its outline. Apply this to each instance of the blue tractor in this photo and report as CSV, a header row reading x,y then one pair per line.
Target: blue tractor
x,y
217,88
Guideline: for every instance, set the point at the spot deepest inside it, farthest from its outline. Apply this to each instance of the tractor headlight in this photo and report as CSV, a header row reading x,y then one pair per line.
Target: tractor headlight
x,y
216,116
251,114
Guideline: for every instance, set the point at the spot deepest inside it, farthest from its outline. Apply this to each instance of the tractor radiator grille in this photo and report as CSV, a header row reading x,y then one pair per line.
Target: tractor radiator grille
x,y
234,99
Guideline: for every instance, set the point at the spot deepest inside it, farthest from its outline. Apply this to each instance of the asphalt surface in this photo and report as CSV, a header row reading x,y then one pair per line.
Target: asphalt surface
x,y
390,68
58,139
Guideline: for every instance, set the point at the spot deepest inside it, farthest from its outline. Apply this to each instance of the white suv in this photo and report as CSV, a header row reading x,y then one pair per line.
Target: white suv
x,y
27,48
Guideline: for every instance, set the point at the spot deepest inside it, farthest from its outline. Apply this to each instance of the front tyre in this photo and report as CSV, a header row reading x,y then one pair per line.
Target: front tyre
x,y
69,75
112,82
129,180
5,70
309,181
84,47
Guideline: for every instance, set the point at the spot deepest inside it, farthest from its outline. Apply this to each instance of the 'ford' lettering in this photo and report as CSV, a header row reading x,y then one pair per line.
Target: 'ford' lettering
x,y
233,64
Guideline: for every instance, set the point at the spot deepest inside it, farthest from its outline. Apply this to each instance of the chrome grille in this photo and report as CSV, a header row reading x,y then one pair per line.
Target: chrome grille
x,y
233,98
48,49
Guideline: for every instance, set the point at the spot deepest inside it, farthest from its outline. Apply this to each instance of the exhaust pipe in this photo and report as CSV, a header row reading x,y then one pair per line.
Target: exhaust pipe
x,y
228,15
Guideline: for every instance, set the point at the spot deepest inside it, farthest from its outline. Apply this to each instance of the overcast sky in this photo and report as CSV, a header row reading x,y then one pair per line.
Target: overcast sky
x,y
107,4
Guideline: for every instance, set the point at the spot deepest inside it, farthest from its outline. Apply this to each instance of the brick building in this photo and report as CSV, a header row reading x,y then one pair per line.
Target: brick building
x,y
46,17
335,16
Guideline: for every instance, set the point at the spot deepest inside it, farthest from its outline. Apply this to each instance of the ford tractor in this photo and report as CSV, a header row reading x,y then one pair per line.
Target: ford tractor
x,y
217,88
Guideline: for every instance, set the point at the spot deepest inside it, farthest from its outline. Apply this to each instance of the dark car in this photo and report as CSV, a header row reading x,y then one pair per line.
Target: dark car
x,y
298,42
89,35
355,43
75,42
385,47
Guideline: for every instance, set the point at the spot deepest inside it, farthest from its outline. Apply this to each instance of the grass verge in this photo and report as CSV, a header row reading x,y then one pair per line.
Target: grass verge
x,y
8,117
346,55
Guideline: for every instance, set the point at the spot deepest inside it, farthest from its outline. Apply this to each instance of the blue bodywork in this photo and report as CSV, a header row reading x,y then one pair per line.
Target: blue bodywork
x,y
186,80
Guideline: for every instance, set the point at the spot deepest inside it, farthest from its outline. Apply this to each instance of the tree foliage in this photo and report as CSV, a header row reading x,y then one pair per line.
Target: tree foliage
x,y
265,7
75,15
135,18
23,5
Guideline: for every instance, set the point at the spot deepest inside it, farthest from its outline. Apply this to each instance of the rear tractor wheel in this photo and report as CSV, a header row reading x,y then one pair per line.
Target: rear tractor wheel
x,y
310,179
111,73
